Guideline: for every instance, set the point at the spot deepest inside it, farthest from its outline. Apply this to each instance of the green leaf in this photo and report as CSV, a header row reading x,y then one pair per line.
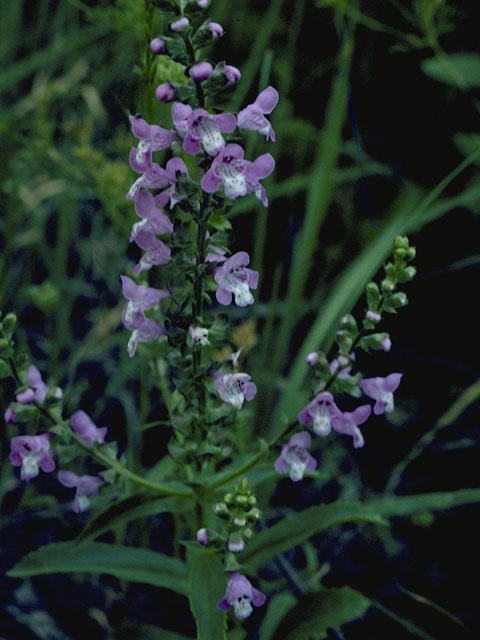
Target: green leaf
x,y
319,611
146,632
460,70
280,604
207,582
409,505
219,222
136,506
295,529
127,563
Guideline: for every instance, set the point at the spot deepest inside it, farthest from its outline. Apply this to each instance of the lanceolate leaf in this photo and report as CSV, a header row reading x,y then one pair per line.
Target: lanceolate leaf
x,y
128,563
409,505
207,582
295,529
137,506
319,611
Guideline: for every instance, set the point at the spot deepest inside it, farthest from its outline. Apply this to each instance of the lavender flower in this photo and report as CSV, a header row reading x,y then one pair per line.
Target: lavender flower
x,y
320,411
37,389
240,595
215,29
216,254
386,344
86,487
312,358
153,218
232,74
234,278
342,361
180,24
347,423
236,544
237,175
157,45
143,330
234,388
165,92
87,430
152,138
31,452
202,536
200,71
381,390
9,415
201,128
140,298
157,252
252,118
295,457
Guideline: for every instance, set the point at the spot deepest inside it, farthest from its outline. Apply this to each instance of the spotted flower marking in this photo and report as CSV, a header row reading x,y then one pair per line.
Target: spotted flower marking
x,y
235,388
319,412
202,129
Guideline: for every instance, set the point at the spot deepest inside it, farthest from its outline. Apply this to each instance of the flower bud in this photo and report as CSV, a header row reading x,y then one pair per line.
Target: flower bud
x,y
9,322
387,285
410,253
312,358
232,74
202,536
373,294
221,509
235,544
239,522
200,71
228,498
252,501
401,242
215,29
373,316
349,323
157,45
409,272
386,344
398,299
9,415
202,3
242,500
399,253
166,92
180,24
253,513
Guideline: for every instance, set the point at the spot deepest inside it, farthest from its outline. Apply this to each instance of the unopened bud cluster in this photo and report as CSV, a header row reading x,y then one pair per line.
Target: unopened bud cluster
x,y
240,512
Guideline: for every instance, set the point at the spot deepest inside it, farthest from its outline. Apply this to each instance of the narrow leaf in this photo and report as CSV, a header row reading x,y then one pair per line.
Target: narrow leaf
x,y
319,611
408,505
461,70
131,508
137,565
207,582
295,529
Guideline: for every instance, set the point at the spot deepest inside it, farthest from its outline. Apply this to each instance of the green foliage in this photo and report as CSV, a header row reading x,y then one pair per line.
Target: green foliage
x,y
207,584
127,563
298,527
316,612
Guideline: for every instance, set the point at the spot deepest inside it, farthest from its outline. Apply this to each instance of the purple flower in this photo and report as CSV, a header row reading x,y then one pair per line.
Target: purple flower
x,y
143,329
9,415
234,278
202,536
234,388
320,412
157,252
165,92
200,71
86,487
173,168
348,421
87,430
157,45
180,24
240,595
153,218
295,457
199,335
381,390
215,29
202,3
386,344
373,316
312,358
252,118
342,361
37,389
31,452
232,74
237,175
140,297
201,128
236,545
152,138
